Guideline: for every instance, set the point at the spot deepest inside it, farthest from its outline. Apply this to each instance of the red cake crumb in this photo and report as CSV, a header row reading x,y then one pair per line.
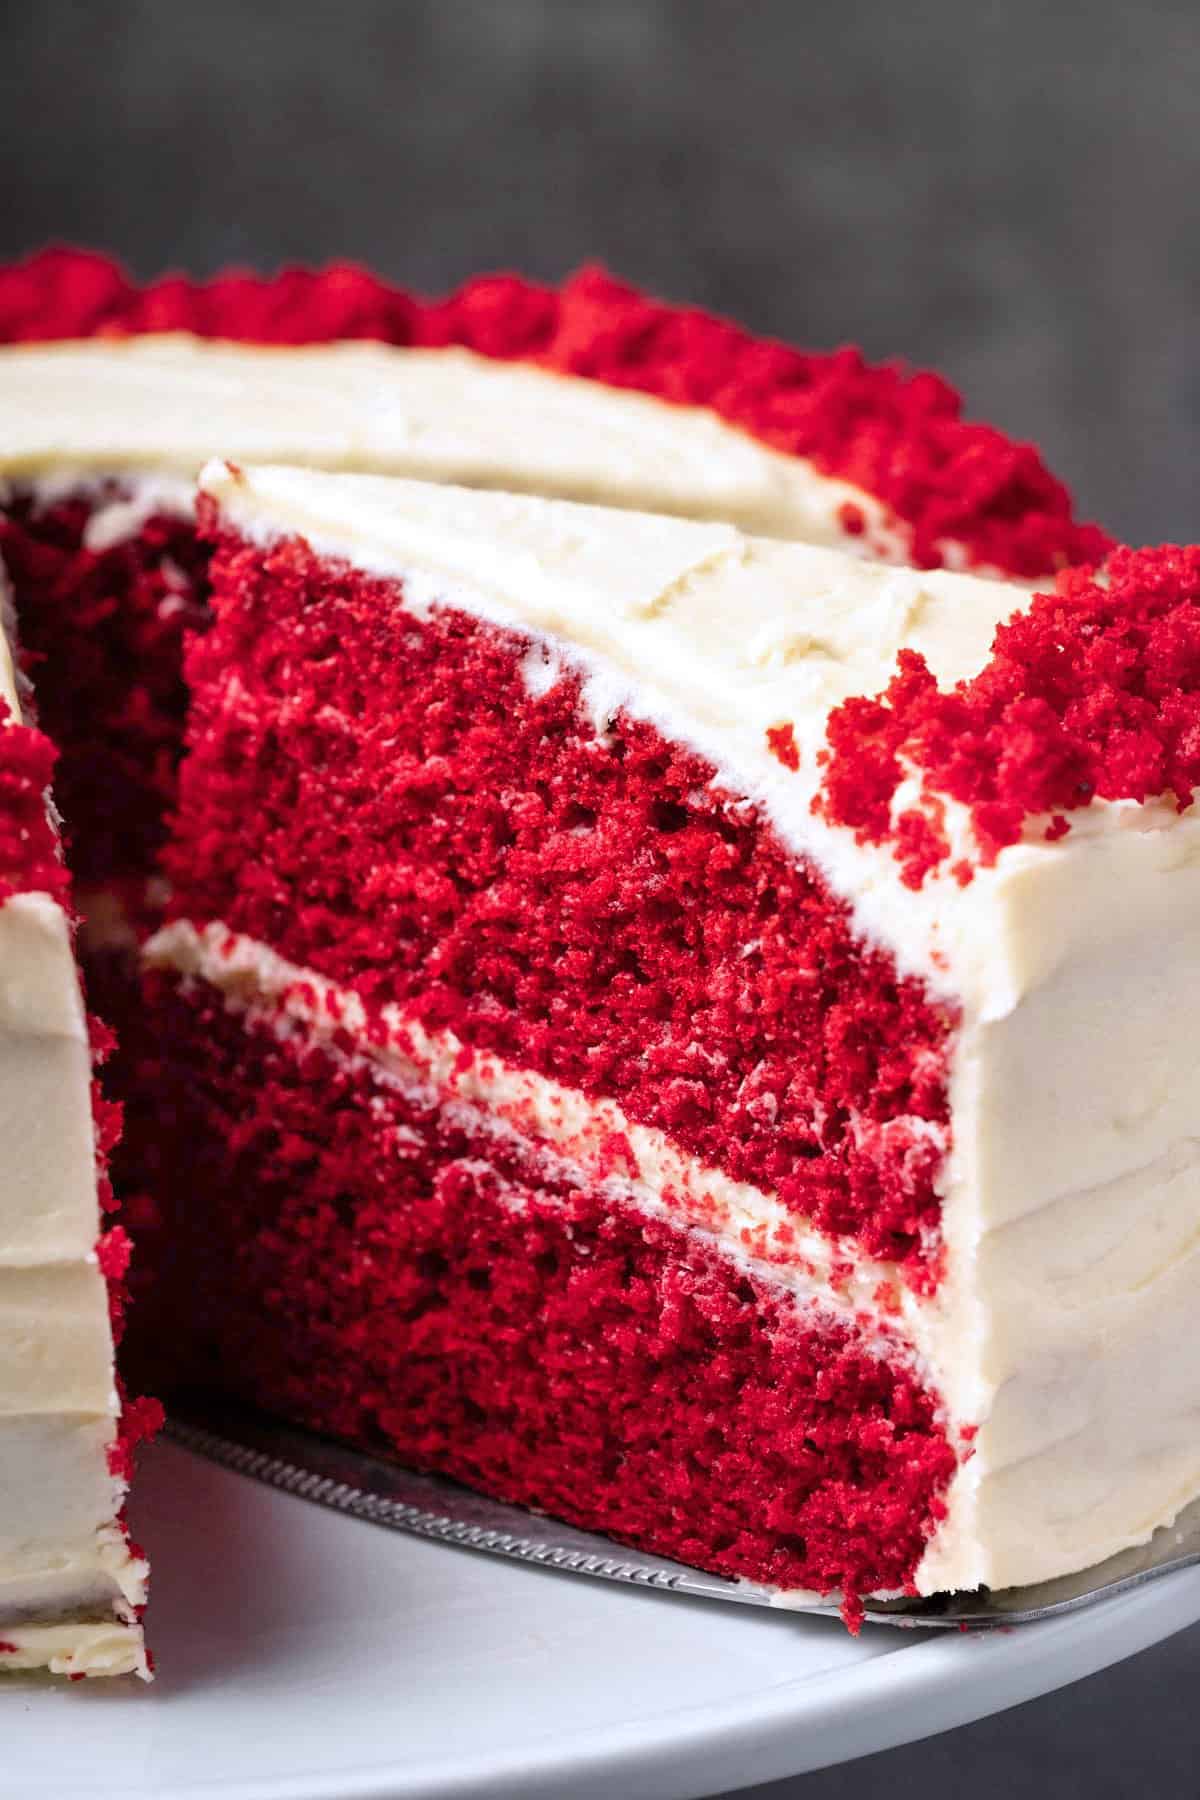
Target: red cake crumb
x,y
29,854
896,434
383,1271
1092,693
142,1418
113,1250
781,740
597,908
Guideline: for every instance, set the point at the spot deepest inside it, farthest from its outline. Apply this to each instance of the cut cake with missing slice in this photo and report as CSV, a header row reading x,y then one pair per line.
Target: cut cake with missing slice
x,y
112,396
645,1042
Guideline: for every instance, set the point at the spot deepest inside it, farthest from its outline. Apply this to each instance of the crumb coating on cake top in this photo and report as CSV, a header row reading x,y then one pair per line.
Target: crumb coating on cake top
x,y
102,640
1092,693
897,434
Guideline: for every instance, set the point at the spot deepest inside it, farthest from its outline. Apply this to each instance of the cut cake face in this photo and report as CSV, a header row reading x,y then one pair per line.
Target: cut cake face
x,y
739,1157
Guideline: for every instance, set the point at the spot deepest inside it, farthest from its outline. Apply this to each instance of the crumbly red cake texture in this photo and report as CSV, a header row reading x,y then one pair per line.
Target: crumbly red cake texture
x,y
29,856
591,904
365,1262
101,635
898,435
1092,693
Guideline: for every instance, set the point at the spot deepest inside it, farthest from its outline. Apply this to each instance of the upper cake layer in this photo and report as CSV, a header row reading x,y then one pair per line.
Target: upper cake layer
x,y
711,423
745,649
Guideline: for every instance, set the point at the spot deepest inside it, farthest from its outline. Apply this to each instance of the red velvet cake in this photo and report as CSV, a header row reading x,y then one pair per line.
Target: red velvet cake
x,y
632,1026
614,1061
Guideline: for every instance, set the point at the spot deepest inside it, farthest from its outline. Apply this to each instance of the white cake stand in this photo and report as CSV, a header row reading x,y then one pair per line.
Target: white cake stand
x,y
306,1656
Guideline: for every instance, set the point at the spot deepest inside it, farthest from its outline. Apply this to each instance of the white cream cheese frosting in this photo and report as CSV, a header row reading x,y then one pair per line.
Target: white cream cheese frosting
x,y
68,1581
159,406
1063,1333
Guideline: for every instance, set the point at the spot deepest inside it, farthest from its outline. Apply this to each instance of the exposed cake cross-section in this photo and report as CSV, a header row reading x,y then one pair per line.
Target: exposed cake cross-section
x,y
569,1098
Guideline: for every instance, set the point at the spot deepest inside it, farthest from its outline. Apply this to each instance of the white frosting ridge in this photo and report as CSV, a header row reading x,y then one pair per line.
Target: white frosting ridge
x,y
1064,1329
165,403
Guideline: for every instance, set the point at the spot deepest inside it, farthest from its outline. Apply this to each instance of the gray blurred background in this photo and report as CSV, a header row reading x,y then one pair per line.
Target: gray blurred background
x,y
1005,191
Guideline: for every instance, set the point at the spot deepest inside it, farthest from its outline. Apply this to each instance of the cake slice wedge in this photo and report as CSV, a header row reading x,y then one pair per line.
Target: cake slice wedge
x,y
72,1586
687,1032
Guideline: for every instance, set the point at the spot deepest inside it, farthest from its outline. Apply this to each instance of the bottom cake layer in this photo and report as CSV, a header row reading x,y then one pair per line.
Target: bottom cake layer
x,y
417,1279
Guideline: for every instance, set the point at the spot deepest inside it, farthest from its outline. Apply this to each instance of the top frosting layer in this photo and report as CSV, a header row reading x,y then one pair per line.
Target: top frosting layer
x,y
740,633
166,404
956,492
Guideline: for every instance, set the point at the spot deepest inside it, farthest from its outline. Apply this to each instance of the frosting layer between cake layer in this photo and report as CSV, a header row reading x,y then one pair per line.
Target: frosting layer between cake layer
x,y
1069,1130
593,1136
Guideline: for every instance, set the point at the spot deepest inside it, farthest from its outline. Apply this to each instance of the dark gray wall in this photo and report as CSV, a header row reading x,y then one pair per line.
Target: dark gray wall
x,y
1008,192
